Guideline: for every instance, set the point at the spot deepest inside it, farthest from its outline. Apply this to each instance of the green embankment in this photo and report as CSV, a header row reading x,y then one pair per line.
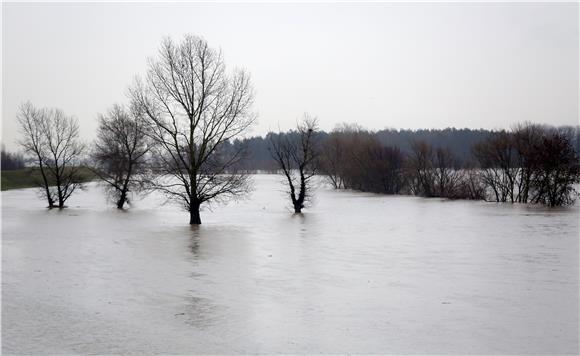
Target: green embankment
x,y
29,178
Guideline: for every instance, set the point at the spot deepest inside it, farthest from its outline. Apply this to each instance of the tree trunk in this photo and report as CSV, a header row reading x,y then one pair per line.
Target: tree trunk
x,y
121,200
297,210
299,203
57,176
194,217
123,197
46,186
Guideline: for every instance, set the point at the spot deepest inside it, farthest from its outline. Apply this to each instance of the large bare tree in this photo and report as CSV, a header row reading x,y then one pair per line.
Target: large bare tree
x,y
193,107
119,152
296,155
50,137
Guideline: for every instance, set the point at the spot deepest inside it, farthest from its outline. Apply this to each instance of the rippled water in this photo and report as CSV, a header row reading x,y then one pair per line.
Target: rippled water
x,y
357,273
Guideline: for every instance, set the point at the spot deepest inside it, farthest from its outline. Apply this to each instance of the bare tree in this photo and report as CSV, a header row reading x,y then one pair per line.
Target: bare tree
x,y
356,144
532,163
420,165
498,158
193,107
119,152
435,172
447,173
345,157
556,170
332,159
32,123
296,157
51,138
372,167
469,184
526,137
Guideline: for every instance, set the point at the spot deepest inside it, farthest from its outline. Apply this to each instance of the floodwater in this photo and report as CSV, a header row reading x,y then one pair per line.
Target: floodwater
x,y
357,273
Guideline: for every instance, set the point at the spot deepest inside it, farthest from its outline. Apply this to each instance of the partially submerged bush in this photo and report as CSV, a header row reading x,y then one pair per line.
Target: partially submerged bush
x,y
530,164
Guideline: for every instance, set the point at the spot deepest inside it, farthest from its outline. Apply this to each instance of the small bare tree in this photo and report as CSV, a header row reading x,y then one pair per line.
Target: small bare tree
x,y
193,107
119,152
296,157
51,138
332,159
526,137
497,157
447,173
421,170
469,185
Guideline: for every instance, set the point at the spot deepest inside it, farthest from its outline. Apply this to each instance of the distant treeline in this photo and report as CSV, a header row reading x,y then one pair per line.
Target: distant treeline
x,y
11,161
459,142
529,163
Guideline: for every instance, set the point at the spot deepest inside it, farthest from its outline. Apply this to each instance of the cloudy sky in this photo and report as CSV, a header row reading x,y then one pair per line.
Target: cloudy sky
x,y
377,64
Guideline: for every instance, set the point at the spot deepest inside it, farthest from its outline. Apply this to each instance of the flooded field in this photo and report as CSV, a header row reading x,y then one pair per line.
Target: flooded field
x,y
357,273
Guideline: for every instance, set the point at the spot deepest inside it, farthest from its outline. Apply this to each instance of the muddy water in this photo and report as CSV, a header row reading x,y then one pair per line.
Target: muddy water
x,y
357,273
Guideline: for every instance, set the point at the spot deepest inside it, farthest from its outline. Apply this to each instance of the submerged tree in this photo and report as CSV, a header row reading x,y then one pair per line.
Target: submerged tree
x,y
333,158
380,168
119,152
448,175
193,107
51,138
372,167
469,184
296,157
435,172
556,170
532,163
526,138
497,156
420,168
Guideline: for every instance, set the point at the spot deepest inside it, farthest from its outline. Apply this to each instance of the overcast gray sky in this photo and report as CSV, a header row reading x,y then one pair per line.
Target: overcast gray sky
x,y
381,65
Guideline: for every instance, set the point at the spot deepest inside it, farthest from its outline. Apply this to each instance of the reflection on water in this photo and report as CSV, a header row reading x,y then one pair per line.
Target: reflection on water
x,y
199,312
356,273
194,245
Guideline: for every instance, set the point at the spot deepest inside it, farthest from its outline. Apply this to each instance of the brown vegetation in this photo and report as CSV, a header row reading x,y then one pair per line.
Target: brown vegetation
x,y
529,164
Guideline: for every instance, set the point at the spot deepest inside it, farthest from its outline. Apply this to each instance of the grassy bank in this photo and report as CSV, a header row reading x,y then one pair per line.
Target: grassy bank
x,y
29,178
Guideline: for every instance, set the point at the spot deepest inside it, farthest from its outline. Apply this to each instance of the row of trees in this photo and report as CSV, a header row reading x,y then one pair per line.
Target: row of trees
x,y
529,164
173,137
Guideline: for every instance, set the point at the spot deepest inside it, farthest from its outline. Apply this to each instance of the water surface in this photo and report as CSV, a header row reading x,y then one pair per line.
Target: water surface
x,y
357,273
